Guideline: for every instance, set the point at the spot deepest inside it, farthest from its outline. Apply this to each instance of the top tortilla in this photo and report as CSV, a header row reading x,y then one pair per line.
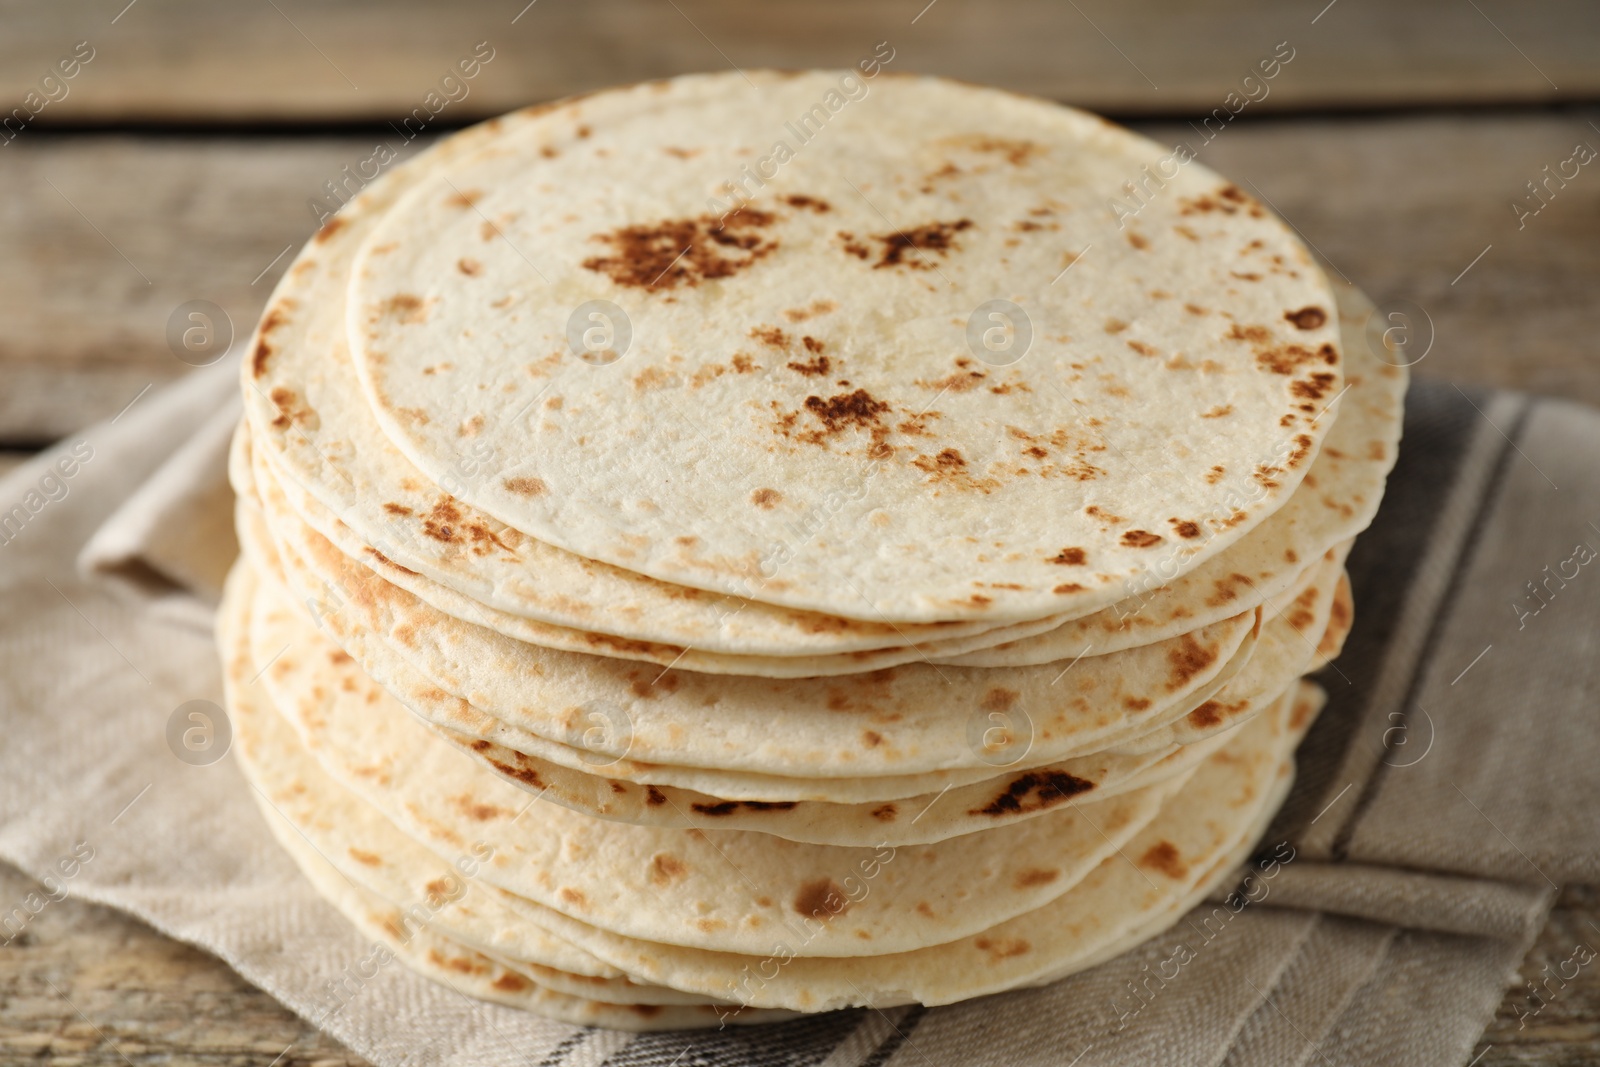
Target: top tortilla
x,y
797,418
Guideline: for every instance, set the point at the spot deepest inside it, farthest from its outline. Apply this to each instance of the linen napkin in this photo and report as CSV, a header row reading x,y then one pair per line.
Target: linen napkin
x,y
1444,794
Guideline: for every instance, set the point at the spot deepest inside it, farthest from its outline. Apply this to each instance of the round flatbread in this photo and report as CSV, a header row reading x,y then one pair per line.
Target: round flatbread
x,y
796,416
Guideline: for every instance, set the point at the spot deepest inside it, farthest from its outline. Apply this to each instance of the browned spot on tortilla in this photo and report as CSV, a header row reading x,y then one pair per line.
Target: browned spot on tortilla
x,y
1033,876
387,562
770,335
948,461
844,410
821,899
365,857
1138,240
396,509
524,774
508,982
999,698
1073,557
1068,587
1229,199
329,228
1140,538
1135,703
646,687
1315,387
816,307
654,797
470,267
407,307
258,359
1016,150
664,867
667,254
872,738
1307,318
1218,412
924,909
884,812
574,897
1185,529
1034,791
477,810
960,380
1002,948
290,410
817,365
1226,589
682,153
1289,358
765,499
1214,475
459,964
526,486
728,807
1205,716
812,203
1143,349
441,521
464,199
1187,659
907,248
1163,856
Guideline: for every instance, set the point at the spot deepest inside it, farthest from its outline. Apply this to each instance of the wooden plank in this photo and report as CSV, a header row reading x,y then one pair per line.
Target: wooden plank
x,y
188,60
153,1000
1401,205
1556,1023
91,270
143,998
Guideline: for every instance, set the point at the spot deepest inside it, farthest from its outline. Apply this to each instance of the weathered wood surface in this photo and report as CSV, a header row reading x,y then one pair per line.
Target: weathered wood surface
x,y
123,993
368,59
85,985
102,236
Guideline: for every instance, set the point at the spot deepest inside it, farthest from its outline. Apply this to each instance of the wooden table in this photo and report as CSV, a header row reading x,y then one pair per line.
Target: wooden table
x,y
179,164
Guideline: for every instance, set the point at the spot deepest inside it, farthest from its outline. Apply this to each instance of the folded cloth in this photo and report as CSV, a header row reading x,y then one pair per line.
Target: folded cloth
x,y
1443,795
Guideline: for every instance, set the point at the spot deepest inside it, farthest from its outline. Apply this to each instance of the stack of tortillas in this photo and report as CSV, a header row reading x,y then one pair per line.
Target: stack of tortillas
x,y
764,543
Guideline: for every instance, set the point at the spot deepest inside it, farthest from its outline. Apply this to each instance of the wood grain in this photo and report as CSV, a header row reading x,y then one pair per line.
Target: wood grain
x,y
188,60
91,268
90,986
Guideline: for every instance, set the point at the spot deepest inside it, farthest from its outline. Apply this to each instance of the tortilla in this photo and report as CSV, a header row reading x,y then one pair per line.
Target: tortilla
x,y
1192,847
309,419
721,451
307,540
1338,499
673,885
907,719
